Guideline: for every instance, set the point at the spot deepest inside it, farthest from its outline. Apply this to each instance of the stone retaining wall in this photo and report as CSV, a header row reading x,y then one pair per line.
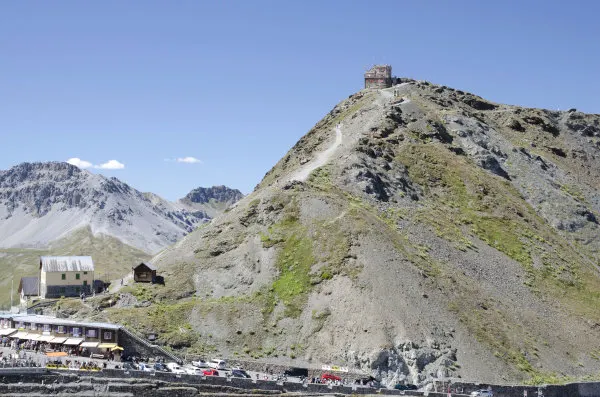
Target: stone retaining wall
x,y
111,382
570,390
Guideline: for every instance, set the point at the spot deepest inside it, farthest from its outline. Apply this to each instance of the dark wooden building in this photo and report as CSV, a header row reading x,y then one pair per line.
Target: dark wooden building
x,y
145,272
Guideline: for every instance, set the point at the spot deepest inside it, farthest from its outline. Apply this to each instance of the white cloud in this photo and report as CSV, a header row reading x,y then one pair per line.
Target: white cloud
x,y
111,165
189,160
79,163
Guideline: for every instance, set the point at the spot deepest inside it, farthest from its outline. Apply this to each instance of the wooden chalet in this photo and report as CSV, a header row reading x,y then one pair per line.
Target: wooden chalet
x,y
145,272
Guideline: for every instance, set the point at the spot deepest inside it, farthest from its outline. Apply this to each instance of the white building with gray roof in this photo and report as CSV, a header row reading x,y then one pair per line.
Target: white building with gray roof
x,y
65,276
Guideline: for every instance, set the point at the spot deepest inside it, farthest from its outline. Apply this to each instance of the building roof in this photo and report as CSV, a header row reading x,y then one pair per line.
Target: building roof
x,y
29,286
37,319
379,71
147,264
67,263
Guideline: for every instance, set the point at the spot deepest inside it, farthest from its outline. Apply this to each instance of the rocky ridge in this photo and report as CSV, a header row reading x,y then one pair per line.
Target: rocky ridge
x,y
211,201
444,236
43,202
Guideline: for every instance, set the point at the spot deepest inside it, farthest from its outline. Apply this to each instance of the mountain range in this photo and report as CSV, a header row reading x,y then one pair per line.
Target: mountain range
x,y
417,232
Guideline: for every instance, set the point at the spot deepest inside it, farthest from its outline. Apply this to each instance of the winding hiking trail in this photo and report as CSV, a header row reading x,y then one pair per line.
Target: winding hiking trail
x,y
321,158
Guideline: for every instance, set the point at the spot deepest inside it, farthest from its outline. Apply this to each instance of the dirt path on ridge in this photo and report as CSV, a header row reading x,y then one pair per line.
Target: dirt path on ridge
x,y
321,158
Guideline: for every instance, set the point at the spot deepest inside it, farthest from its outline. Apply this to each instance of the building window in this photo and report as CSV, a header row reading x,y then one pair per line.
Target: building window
x,y
60,329
91,333
62,290
107,335
84,273
77,275
76,331
84,283
63,276
46,327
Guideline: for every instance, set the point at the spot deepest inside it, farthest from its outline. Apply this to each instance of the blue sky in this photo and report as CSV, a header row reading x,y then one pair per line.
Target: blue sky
x,y
236,83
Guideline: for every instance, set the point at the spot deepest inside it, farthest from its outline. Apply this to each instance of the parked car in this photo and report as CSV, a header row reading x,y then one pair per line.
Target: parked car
x,y
400,386
130,365
328,376
200,364
217,364
145,367
191,370
175,368
482,393
368,381
239,373
296,372
210,372
131,357
160,367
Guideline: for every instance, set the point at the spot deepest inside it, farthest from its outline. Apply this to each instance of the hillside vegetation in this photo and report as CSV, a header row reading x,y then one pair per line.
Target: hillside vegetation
x,y
447,236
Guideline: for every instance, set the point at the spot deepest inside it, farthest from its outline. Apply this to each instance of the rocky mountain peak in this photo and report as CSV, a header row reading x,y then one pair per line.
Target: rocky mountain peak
x,y
53,171
210,201
224,194
63,198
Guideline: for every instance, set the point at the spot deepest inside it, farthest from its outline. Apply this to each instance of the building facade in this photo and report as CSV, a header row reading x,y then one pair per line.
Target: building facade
x,y
56,333
65,276
89,339
379,76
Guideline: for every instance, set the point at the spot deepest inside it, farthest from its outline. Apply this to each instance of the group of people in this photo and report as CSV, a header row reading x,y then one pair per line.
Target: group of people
x,y
75,365
45,347
16,355
18,359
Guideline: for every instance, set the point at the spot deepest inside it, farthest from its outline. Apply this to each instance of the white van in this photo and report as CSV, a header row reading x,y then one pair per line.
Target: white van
x,y
217,364
175,368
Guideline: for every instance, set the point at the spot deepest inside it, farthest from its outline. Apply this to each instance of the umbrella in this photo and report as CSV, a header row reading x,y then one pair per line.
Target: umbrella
x,y
117,348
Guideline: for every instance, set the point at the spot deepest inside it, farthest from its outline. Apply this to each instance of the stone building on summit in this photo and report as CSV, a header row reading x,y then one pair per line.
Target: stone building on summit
x,y
379,76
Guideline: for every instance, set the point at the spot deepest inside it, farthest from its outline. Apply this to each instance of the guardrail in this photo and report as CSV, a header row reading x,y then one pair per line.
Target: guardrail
x,y
150,346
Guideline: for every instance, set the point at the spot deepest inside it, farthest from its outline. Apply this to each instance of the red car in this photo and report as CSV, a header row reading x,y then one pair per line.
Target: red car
x,y
330,377
210,372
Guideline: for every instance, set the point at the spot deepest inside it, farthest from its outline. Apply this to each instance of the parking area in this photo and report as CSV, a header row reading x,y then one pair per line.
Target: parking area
x,y
11,357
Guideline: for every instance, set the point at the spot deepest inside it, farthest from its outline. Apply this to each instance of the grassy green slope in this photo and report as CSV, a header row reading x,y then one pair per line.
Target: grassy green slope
x,y
112,259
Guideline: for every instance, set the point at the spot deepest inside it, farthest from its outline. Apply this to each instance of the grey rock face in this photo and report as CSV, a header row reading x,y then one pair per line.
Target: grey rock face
x,y
409,362
217,193
210,201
